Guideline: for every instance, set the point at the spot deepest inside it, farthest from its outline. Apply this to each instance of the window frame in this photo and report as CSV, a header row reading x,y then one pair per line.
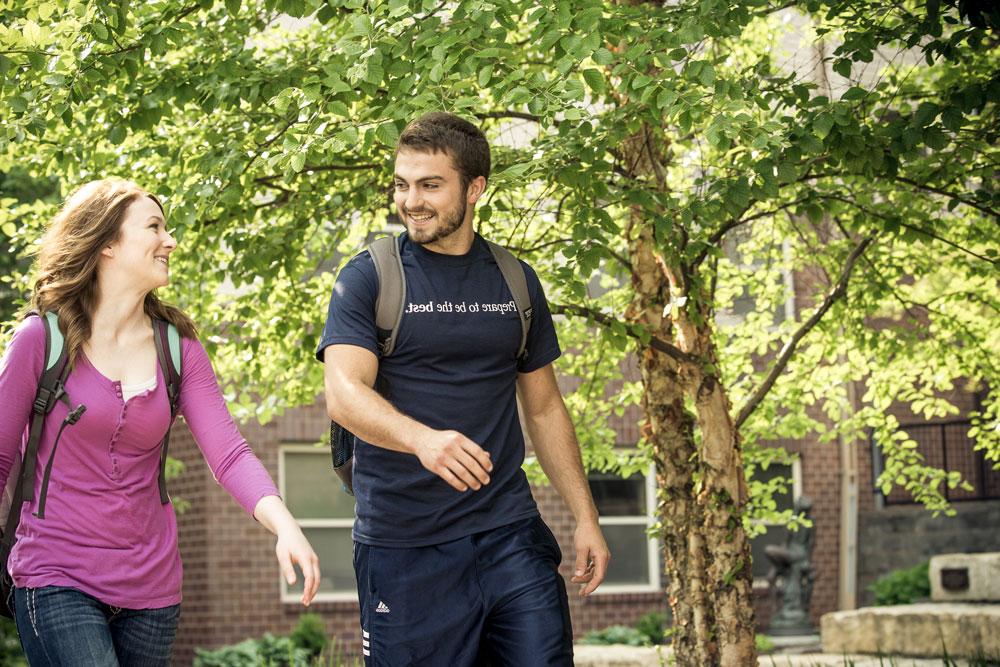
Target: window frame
x,y
307,448
652,543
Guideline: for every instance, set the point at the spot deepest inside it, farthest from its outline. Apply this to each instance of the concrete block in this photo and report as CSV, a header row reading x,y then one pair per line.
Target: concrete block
x,y
973,577
960,630
618,655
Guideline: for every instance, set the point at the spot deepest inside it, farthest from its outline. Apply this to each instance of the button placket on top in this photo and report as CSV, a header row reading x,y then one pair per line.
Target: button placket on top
x,y
115,468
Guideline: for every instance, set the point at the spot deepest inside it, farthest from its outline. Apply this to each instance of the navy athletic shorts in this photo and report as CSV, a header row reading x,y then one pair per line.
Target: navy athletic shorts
x,y
490,599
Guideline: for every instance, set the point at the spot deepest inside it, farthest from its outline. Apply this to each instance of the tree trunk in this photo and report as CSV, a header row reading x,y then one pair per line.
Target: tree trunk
x,y
702,489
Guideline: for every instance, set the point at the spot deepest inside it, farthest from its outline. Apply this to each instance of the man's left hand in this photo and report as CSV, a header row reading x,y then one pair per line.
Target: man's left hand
x,y
592,557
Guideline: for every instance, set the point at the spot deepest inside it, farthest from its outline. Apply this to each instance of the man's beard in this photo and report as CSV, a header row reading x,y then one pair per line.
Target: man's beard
x,y
448,226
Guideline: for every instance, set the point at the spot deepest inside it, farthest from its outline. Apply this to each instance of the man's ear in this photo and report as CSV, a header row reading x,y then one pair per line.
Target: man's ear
x,y
476,189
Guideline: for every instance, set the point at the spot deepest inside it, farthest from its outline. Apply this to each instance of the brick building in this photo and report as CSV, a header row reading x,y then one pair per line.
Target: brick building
x,y
233,591
232,588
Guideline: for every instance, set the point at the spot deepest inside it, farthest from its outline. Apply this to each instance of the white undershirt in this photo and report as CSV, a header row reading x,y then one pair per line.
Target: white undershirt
x,y
130,390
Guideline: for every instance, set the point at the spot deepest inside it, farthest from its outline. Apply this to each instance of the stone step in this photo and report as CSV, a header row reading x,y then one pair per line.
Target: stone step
x,y
637,656
958,630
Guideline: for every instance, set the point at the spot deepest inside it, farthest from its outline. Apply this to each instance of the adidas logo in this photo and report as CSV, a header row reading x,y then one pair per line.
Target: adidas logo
x,y
382,608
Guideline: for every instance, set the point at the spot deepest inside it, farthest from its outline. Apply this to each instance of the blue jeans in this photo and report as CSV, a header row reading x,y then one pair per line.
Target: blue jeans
x,y
63,626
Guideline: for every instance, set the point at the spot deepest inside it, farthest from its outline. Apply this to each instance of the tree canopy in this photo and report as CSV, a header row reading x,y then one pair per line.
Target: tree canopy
x,y
848,143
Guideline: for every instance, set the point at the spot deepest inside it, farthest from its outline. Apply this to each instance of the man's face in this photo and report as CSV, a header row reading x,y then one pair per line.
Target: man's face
x,y
429,196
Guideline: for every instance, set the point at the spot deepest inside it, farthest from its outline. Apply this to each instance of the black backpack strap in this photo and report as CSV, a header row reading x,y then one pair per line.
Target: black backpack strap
x,y
391,290
517,283
50,389
168,355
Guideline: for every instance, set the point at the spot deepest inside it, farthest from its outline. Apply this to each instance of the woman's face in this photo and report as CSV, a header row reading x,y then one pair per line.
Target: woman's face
x,y
141,254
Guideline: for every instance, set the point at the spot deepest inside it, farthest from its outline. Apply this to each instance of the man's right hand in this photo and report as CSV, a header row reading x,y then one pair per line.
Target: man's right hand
x,y
455,459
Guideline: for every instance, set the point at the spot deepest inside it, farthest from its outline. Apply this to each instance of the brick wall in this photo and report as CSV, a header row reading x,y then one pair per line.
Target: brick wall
x,y
231,582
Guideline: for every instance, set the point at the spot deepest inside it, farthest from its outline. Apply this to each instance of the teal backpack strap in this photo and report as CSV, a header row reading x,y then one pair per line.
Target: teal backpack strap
x,y
168,355
517,283
174,345
391,291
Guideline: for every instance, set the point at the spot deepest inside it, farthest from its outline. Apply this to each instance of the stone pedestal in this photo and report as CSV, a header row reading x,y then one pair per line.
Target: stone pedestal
x,y
965,577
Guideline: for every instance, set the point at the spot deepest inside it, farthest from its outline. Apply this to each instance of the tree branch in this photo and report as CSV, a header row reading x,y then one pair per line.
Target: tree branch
x,y
657,344
838,292
728,226
319,167
508,114
919,230
946,193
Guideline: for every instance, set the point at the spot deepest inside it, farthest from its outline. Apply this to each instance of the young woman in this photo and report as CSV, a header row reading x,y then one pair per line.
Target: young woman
x,y
98,579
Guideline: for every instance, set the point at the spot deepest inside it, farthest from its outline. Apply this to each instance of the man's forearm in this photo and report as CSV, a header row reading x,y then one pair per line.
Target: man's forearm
x,y
365,413
555,443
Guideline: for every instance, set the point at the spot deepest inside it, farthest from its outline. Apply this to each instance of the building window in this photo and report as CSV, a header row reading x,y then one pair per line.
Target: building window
x,y
745,303
315,498
776,534
944,445
627,508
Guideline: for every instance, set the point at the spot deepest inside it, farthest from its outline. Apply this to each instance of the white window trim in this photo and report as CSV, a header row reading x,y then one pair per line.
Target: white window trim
x,y
652,543
294,598
728,319
761,582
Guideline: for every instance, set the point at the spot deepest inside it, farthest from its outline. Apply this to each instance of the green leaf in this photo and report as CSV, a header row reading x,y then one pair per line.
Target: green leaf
x,y
17,104
787,172
641,81
117,134
854,93
387,134
707,74
595,80
233,7
9,229
603,57
822,125
485,75
298,161
925,114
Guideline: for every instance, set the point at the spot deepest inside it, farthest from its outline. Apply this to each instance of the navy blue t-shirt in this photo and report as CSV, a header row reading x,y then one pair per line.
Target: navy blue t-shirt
x,y
454,367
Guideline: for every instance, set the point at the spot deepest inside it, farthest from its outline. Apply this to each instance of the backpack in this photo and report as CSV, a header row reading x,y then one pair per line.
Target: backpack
x,y
389,313
51,388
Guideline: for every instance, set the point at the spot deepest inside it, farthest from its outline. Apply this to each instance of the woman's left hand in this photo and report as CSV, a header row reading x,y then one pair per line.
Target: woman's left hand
x,y
293,548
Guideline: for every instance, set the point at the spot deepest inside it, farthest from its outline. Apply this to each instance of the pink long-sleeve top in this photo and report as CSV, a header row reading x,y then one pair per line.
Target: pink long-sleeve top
x,y
105,531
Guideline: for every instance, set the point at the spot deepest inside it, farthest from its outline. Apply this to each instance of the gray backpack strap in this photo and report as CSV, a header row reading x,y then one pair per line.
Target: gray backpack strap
x,y
517,283
391,291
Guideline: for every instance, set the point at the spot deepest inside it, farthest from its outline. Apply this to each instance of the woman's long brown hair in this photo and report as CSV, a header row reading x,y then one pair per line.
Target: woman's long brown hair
x,y
90,220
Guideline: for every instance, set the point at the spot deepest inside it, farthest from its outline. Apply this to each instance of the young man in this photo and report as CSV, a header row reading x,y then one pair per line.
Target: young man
x,y
454,565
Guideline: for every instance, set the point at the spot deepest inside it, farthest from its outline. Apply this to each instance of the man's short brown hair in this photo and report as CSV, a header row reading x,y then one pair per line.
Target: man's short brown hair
x,y
456,137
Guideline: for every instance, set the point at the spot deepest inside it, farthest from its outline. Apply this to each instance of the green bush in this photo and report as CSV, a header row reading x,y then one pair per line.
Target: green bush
x,y
268,651
763,643
310,634
10,646
616,634
651,625
904,586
